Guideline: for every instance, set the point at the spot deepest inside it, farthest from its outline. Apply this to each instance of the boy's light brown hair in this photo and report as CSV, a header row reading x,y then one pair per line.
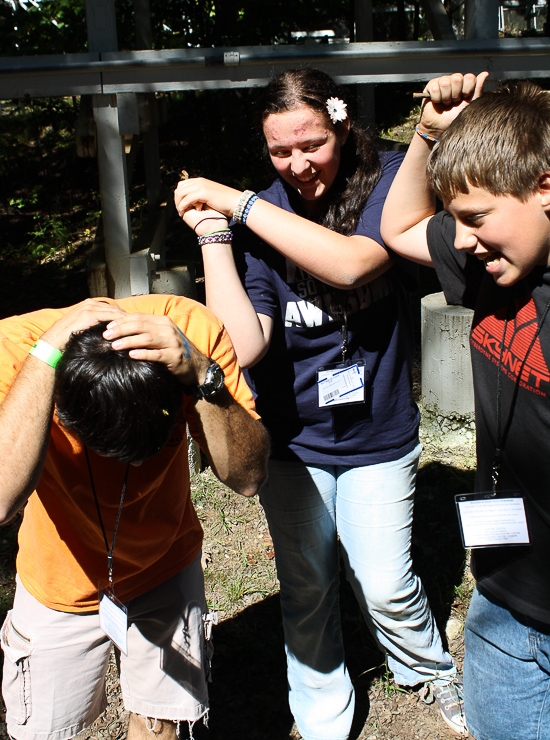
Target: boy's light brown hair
x,y
500,142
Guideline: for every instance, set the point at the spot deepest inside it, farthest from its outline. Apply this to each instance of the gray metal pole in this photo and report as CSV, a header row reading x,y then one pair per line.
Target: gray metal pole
x,y
115,200
111,158
364,32
481,19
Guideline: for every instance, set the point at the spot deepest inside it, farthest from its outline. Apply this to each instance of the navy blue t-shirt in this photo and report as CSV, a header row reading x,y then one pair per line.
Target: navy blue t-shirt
x,y
307,334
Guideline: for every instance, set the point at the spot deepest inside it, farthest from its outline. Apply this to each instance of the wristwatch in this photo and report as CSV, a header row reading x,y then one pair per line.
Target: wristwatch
x,y
213,382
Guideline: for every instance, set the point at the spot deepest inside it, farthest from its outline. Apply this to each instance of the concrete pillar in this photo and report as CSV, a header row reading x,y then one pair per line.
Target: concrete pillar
x,y
447,389
115,195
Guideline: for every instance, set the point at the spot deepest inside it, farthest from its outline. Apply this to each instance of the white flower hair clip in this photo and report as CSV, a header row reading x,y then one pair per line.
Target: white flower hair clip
x,y
337,110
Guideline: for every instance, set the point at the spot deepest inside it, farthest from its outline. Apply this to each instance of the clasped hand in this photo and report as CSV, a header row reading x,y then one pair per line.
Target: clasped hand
x,y
448,96
199,199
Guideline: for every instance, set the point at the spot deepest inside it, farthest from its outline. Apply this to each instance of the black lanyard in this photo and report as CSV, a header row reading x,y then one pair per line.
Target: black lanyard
x,y
109,549
501,438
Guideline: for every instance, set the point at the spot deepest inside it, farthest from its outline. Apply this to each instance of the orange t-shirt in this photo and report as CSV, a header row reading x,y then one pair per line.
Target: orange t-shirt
x,y
62,555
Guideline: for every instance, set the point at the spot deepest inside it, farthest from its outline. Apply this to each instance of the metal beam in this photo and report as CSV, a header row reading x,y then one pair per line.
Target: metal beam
x,y
237,67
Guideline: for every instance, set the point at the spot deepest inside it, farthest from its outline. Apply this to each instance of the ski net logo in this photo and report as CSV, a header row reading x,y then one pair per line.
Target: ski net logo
x,y
487,336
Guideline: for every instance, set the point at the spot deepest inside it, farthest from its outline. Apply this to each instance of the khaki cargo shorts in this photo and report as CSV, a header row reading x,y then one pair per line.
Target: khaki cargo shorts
x,y
55,663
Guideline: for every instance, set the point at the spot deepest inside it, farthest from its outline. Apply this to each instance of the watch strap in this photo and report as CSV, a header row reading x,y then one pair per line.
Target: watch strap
x,y
213,383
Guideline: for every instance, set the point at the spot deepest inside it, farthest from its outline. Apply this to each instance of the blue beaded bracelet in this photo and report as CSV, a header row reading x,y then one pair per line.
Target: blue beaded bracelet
x,y
248,207
425,136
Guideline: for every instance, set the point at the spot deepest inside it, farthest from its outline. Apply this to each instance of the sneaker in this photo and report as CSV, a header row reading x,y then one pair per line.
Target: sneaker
x,y
450,700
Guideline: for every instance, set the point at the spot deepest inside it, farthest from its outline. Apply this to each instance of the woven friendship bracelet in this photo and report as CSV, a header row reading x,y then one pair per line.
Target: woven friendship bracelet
x,y
45,352
221,237
248,207
242,203
425,136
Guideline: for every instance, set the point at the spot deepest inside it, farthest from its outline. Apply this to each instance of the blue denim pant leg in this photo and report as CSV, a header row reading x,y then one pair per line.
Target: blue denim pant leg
x,y
370,509
506,674
300,506
374,521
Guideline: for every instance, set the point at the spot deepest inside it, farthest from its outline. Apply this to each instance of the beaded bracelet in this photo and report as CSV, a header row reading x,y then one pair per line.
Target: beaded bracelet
x,y
242,203
248,207
425,136
220,237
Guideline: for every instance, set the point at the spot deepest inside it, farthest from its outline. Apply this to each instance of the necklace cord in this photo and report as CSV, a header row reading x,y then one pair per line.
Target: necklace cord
x,y
501,438
110,550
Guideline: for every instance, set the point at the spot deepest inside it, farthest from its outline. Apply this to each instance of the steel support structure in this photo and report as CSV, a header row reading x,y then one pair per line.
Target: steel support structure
x,y
240,67
114,78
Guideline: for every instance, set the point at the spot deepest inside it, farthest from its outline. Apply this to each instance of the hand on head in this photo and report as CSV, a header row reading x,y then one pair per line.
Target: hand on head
x,y
448,96
158,339
85,314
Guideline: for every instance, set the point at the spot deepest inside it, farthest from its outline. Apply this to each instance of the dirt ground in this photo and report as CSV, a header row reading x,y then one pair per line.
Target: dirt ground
x,y
248,693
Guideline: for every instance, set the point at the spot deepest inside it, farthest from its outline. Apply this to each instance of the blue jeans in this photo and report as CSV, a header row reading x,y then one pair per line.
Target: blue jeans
x,y
369,510
506,674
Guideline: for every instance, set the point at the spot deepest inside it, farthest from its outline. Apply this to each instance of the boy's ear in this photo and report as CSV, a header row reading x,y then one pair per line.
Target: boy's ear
x,y
544,190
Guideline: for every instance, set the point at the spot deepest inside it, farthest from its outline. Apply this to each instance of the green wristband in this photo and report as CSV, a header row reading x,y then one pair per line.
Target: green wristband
x,y
45,352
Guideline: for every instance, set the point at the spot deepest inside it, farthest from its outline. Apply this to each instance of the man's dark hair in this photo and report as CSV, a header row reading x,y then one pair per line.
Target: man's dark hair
x,y
117,406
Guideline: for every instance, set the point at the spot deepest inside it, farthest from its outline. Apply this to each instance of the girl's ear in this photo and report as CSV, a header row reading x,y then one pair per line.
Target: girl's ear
x,y
344,131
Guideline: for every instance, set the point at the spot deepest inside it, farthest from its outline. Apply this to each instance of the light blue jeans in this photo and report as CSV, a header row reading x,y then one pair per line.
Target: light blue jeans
x,y
369,510
506,674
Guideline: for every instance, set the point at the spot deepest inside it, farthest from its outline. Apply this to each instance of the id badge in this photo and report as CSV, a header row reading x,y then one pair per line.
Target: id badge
x,y
492,520
338,384
113,618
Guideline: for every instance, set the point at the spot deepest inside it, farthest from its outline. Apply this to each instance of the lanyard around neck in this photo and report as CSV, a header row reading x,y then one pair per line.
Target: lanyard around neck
x,y
109,549
502,436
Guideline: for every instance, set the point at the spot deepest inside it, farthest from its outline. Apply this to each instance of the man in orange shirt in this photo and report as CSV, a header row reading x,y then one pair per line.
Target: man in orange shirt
x,y
94,404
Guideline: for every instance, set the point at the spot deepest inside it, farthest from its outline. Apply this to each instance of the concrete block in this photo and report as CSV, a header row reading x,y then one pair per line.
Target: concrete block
x,y
447,388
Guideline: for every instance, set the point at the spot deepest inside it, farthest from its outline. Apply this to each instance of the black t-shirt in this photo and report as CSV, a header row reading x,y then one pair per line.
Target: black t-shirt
x,y
517,576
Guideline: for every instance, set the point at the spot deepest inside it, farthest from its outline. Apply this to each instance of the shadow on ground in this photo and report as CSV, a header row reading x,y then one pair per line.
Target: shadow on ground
x,y
249,693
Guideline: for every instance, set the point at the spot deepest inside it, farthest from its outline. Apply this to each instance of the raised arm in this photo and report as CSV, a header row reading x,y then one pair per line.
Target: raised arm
x,y
410,202
26,412
341,261
225,295
236,443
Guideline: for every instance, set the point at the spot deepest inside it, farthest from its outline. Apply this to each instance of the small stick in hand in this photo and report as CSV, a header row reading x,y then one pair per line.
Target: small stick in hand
x,y
425,95
184,175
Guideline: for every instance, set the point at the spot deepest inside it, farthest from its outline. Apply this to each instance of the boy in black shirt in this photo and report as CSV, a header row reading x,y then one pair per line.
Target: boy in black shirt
x,y
491,249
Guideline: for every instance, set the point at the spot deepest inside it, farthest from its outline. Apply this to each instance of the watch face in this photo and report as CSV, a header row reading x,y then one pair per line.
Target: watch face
x,y
218,377
214,380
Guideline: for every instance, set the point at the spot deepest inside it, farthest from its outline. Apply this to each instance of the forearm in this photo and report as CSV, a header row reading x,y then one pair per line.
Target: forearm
x,y
25,423
409,204
227,298
236,444
340,261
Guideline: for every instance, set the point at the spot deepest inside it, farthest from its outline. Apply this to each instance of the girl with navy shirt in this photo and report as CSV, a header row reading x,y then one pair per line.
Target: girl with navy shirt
x,y
317,308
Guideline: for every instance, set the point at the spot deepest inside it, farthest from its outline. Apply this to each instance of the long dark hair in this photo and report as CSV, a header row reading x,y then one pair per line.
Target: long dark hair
x,y
359,169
